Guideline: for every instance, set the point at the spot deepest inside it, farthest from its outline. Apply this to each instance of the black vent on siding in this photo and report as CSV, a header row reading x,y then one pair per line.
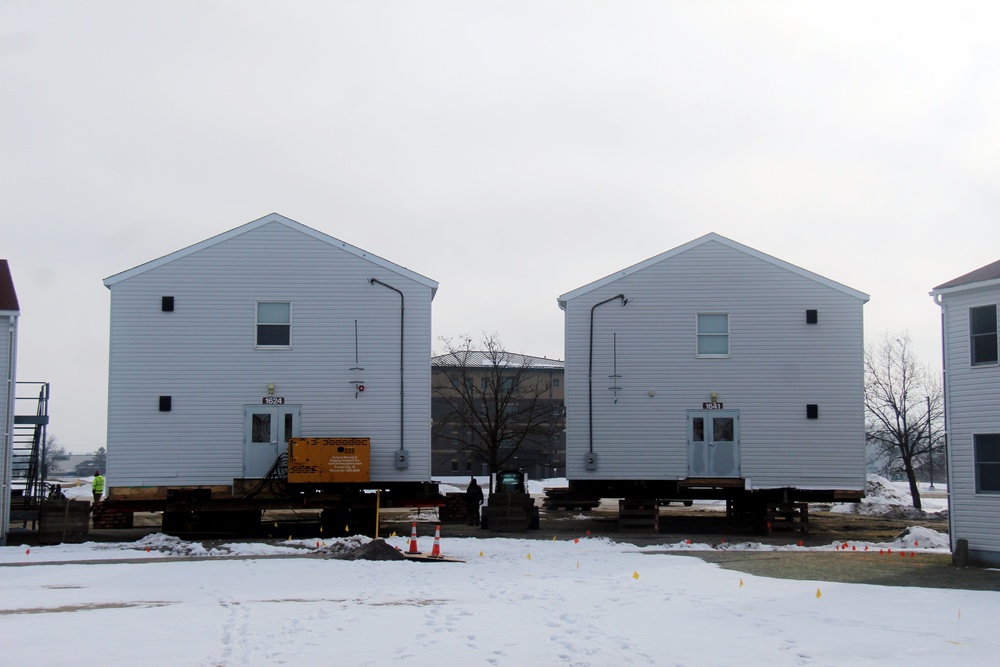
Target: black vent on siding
x,y
167,304
812,316
812,411
165,402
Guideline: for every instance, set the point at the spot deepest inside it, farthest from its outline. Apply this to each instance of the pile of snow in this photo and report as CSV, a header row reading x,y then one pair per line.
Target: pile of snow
x,y
893,500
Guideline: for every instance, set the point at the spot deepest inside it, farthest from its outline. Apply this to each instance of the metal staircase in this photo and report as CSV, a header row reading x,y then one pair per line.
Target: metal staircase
x,y
31,416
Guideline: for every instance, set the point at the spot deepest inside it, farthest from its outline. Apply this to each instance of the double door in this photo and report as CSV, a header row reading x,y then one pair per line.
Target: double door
x,y
713,443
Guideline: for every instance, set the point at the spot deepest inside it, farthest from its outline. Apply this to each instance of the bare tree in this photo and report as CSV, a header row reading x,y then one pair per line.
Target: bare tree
x,y
494,400
903,406
54,453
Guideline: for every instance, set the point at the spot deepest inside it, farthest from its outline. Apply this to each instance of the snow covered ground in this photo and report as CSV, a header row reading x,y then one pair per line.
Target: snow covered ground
x,y
581,601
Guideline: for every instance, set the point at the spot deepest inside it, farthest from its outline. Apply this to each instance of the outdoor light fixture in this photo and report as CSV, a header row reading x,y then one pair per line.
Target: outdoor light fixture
x,y
715,396
270,390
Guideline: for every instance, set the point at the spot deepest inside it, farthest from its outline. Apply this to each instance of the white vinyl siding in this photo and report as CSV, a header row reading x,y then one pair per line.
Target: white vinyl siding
x,y
973,408
203,355
783,364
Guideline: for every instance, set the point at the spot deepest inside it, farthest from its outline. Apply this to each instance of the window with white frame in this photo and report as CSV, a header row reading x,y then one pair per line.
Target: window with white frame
x,y
983,335
987,455
274,324
713,334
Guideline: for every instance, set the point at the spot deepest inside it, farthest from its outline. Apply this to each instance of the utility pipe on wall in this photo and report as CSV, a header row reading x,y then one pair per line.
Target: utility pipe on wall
x,y
402,310
590,368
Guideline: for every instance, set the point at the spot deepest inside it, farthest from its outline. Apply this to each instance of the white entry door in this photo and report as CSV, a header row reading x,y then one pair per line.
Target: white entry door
x,y
713,443
266,431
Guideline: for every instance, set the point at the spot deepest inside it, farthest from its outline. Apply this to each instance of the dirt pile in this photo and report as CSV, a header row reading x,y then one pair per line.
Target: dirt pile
x,y
374,550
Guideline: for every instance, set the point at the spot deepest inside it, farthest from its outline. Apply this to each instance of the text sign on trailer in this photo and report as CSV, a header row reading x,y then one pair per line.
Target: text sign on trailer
x,y
328,460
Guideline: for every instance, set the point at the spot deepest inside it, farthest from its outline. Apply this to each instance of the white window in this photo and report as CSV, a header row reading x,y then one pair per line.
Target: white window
x,y
713,334
274,324
987,455
983,335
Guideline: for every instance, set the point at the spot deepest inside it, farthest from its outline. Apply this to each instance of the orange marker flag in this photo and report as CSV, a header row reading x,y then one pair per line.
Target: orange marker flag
x,y
635,575
818,594
576,540
28,550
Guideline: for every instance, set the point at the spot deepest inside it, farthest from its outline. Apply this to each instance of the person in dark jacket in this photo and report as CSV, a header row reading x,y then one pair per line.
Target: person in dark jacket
x,y
473,499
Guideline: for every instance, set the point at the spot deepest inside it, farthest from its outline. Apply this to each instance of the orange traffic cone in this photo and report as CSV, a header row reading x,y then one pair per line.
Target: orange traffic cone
x,y
413,540
436,550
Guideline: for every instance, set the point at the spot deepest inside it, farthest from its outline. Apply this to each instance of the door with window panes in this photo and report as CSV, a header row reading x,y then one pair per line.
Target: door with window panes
x,y
267,429
713,443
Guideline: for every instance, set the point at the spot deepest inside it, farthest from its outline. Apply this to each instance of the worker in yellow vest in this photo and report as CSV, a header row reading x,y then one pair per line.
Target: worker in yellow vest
x,y
97,486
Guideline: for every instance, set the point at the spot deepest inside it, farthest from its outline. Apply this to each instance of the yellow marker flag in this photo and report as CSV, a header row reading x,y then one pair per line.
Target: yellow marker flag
x,y
553,538
347,529
275,524
480,554
289,538
741,583
578,565
393,534
529,555
635,575
321,530
818,594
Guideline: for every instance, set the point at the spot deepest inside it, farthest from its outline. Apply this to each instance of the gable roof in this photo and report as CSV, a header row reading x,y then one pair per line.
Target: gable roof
x,y
986,275
711,237
8,297
260,222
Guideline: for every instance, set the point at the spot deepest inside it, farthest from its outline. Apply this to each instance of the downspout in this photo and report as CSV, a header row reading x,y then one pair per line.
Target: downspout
x,y
590,369
401,458
944,398
6,454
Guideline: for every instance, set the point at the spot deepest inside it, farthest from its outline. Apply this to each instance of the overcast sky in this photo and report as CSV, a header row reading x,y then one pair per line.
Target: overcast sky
x,y
511,151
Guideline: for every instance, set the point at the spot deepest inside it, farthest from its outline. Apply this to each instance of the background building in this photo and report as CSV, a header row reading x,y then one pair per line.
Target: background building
x,y
530,393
